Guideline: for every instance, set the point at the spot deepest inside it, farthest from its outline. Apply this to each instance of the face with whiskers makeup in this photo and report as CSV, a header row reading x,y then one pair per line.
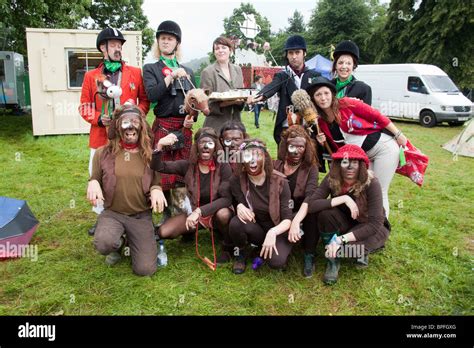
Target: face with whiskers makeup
x,y
206,147
129,128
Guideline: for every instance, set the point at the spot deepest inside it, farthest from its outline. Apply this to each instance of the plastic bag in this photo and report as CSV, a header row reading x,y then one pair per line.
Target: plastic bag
x,y
415,166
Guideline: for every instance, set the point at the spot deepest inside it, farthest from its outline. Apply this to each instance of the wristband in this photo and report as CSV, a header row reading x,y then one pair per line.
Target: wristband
x,y
344,239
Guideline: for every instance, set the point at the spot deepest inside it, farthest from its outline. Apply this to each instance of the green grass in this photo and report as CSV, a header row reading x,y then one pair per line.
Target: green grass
x,y
425,269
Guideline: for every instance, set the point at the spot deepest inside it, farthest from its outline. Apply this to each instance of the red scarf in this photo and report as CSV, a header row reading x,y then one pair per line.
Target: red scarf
x,y
346,188
299,72
126,146
209,163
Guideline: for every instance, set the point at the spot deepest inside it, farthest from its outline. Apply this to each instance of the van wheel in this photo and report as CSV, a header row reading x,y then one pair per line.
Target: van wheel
x,y
427,119
456,123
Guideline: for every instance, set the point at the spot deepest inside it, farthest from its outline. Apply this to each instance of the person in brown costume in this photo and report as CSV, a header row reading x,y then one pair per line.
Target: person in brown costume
x,y
123,182
352,222
263,211
232,135
206,181
298,161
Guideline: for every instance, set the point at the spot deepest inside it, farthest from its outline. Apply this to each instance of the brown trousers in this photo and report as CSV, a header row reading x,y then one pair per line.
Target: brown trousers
x,y
140,235
339,220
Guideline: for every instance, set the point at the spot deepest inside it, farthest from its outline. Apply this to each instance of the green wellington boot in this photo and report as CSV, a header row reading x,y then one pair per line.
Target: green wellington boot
x,y
333,264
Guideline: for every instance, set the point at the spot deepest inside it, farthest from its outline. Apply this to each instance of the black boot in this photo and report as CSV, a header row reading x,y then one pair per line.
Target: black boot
x,y
308,269
188,238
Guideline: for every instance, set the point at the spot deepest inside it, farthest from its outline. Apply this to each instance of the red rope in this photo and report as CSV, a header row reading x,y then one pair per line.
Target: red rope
x,y
208,262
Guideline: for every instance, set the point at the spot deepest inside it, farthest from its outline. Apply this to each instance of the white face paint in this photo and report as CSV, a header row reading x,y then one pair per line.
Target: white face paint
x,y
292,149
345,161
227,142
210,145
127,123
247,156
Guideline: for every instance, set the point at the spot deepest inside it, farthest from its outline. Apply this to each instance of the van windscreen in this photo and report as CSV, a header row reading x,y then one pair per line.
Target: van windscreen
x,y
440,83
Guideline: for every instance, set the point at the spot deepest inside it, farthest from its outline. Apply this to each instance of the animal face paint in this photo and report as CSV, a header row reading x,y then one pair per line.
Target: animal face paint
x,y
296,149
206,146
350,169
129,128
254,161
232,139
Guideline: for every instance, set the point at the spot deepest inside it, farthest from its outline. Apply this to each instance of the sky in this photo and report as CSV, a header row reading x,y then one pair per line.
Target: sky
x,y
203,21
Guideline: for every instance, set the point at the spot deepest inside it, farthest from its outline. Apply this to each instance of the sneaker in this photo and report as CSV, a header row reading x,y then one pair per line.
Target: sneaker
x,y
309,266
257,263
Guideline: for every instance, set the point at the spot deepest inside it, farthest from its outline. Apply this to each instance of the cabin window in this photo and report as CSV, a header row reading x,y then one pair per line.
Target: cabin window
x,y
80,61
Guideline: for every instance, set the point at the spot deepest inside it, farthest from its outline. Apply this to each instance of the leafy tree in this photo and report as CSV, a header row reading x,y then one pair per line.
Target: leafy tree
x,y
121,14
20,14
335,20
437,32
297,25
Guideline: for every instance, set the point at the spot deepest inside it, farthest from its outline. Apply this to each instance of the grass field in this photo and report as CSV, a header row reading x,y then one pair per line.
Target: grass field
x,y
425,269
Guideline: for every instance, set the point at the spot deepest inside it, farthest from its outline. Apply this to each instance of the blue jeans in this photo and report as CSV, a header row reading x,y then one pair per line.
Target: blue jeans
x,y
256,110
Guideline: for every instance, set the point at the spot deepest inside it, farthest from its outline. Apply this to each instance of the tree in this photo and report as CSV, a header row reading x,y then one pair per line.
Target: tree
x,y
297,25
20,14
392,34
373,44
121,14
232,24
437,32
335,20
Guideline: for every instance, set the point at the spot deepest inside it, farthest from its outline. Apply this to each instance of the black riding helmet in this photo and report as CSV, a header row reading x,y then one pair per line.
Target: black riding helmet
x,y
347,47
295,42
109,34
169,27
317,82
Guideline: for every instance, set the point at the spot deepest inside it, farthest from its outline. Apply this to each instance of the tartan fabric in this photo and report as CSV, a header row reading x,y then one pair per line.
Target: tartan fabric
x,y
170,124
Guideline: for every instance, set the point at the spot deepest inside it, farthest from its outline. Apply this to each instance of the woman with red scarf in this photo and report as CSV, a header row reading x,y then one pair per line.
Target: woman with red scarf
x,y
206,184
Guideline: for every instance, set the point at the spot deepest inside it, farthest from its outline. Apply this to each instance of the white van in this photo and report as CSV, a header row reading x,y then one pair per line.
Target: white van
x,y
420,92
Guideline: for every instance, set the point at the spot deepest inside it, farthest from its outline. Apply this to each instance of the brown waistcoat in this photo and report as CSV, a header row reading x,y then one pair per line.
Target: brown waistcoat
x,y
301,179
191,182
